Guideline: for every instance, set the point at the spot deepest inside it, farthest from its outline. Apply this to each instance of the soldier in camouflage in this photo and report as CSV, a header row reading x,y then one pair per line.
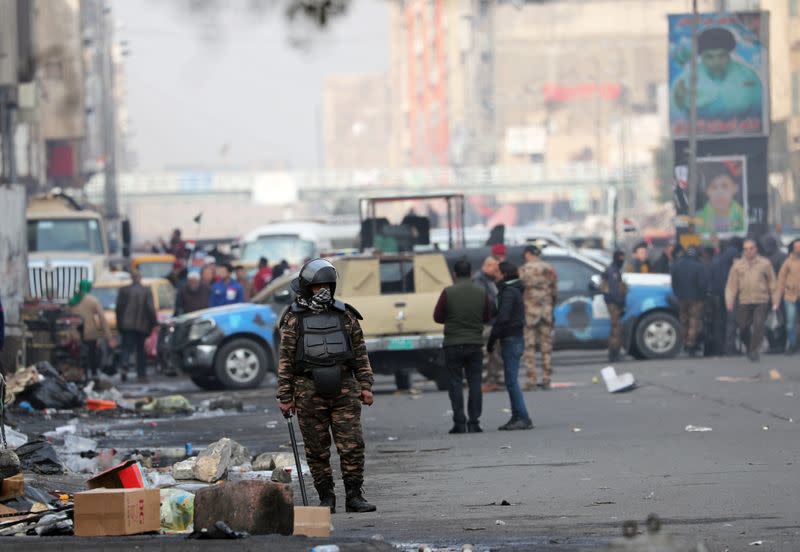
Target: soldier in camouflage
x,y
541,288
324,375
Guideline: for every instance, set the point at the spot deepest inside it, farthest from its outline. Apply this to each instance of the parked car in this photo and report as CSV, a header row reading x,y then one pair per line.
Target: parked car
x,y
651,327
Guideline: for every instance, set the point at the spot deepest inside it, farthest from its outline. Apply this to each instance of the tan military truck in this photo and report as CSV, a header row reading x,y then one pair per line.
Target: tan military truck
x,y
66,244
397,294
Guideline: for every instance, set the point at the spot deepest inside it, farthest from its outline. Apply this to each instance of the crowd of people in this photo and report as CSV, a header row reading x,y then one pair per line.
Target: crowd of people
x,y
742,286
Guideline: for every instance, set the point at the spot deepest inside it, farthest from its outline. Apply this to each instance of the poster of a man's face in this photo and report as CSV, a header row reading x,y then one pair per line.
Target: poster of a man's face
x,y
732,97
722,195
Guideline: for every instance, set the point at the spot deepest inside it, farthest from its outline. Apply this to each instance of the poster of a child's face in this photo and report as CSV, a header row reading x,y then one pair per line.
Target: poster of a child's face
x,y
722,195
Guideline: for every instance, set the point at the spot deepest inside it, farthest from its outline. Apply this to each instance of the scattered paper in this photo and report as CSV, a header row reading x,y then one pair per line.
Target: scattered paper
x,y
617,383
499,522
696,429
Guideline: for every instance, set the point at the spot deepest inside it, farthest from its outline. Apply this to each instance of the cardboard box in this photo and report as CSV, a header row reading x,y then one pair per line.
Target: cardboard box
x,y
12,486
312,521
117,512
127,475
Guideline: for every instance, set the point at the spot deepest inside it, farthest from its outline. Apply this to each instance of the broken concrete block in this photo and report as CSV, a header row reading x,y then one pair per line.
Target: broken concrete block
x,y
283,460
239,454
213,462
281,475
185,469
264,461
258,507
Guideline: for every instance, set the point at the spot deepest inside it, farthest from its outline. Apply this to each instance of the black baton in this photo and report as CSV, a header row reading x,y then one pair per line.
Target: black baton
x,y
297,460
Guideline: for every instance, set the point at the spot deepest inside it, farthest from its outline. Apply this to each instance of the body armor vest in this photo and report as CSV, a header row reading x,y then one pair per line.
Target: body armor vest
x,y
323,340
323,347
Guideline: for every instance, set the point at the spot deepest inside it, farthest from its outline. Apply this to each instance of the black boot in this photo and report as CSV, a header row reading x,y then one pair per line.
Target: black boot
x,y
355,498
327,498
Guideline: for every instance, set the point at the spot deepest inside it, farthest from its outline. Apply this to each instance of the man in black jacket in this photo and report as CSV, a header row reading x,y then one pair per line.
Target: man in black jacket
x,y
723,327
689,284
509,330
614,292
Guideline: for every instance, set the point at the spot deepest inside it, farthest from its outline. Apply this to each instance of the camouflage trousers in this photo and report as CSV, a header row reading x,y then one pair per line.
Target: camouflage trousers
x,y
615,339
319,417
691,317
540,333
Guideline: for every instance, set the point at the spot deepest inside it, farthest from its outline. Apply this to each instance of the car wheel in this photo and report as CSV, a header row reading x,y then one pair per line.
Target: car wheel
x,y
241,364
658,335
204,381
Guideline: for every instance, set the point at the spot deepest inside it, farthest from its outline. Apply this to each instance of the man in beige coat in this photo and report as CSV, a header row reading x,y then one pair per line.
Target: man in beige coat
x,y
751,282
94,323
788,289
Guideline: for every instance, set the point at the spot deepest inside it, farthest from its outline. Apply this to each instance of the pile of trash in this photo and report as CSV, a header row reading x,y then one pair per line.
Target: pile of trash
x,y
25,510
42,389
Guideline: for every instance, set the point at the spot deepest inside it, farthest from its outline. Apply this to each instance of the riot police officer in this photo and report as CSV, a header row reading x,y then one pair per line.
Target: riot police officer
x,y
324,375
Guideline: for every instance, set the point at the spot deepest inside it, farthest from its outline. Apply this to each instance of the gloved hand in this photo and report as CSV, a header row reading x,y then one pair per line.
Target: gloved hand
x,y
490,345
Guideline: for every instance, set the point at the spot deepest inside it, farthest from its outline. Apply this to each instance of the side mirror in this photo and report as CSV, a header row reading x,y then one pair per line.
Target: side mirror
x,y
594,283
126,238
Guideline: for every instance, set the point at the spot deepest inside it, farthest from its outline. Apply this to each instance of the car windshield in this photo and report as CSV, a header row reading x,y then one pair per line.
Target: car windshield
x,y
292,249
155,269
107,296
75,235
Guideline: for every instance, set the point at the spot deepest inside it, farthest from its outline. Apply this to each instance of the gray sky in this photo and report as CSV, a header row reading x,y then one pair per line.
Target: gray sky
x,y
196,83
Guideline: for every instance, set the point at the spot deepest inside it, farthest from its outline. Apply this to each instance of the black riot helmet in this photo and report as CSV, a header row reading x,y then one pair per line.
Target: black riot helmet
x,y
315,272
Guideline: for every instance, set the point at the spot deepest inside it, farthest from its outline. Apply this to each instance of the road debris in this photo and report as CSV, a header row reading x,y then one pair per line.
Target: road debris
x,y
696,429
499,522
617,383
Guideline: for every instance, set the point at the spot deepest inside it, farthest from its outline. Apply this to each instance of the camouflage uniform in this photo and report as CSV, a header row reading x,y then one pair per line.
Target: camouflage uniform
x,y
541,289
319,415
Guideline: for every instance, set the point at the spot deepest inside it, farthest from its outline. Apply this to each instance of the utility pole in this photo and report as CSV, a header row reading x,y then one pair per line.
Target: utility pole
x,y
105,43
693,115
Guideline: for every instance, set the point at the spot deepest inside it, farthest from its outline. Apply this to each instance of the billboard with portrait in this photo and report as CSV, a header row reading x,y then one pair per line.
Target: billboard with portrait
x,y
732,75
721,200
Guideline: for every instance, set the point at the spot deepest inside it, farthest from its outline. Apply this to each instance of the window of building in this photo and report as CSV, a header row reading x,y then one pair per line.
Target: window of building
x,y
794,8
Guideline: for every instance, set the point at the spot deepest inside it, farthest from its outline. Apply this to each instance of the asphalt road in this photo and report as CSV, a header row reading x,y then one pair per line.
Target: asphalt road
x,y
593,460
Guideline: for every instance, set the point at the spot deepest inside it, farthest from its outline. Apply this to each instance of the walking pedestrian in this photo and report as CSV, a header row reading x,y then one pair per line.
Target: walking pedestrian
x,y
136,318
639,263
508,328
663,264
193,295
752,283
464,309
263,275
324,375
225,291
94,325
244,281
788,289
541,289
486,279
279,270
723,327
689,284
614,293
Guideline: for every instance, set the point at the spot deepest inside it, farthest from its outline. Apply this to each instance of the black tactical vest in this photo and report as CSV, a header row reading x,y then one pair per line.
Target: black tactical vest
x,y
323,340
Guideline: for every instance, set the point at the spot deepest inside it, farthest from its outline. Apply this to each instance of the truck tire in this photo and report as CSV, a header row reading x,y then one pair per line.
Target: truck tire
x,y
435,370
204,381
241,363
658,336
